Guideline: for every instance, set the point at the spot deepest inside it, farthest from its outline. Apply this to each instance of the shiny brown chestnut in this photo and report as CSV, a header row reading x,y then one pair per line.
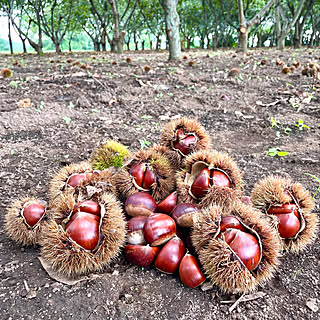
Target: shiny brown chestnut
x,y
143,175
245,246
288,215
184,141
83,228
135,230
88,206
139,255
168,203
75,179
170,255
183,214
230,222
207,178
140,204
32,213
190,272
158,229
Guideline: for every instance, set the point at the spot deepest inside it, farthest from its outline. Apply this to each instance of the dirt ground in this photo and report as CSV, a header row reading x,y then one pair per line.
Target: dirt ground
x,y
74,110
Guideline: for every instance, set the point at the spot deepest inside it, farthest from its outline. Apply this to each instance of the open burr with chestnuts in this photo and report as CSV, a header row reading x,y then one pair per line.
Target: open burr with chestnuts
x,y
25,220
291,204
209,177
85,235
149,171
237,247
68,178
182,137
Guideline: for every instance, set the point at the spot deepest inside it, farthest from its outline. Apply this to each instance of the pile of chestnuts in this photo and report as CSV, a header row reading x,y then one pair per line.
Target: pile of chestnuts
x,y
178,205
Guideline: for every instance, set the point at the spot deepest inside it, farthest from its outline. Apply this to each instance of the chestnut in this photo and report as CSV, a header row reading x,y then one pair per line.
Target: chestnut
x,y
170,255
230,222
135,230
140,204
88,206
184,141
206,178
33,213
83,228
75,179
288,215
245,246
139,255
168,203
158,229
201,184
183,214
142,175
190,272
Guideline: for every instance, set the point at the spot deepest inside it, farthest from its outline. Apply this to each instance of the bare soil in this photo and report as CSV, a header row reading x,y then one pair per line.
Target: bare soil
x,y
123,102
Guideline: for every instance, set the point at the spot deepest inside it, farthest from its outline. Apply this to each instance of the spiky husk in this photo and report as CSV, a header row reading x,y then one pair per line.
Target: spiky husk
x,y
161,167
218,260
89,189
270,191
57,185
189,125
215,195
67,257
98,183
17,229
110,154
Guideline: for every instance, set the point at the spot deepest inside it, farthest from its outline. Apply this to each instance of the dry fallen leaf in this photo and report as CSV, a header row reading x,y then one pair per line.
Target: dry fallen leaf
x,y
25,103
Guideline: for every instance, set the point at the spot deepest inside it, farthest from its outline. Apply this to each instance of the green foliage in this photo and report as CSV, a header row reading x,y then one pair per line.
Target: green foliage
x,y
317,179
275,151
144,143
301,126
67,120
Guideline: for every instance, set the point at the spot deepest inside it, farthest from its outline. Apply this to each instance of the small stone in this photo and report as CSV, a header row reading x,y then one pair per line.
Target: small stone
x,y
115,273
206,286
312,305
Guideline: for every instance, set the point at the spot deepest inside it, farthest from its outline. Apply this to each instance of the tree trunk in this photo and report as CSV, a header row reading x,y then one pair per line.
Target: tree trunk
x,y
277,20
135,40
172,28
142,45
243,40
158,43
188,43
96,45
297,43
9,35
24,45
57,46
151,44
281,42
288,26
243,33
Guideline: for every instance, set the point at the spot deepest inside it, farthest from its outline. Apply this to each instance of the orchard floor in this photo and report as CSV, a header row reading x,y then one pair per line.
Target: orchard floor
x,y
74,110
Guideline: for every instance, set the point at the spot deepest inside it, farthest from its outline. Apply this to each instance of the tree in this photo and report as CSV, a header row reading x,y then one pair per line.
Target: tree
x,y
284,25
8,7
55,18
118,35
245,25
172,28
153,19
31,10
